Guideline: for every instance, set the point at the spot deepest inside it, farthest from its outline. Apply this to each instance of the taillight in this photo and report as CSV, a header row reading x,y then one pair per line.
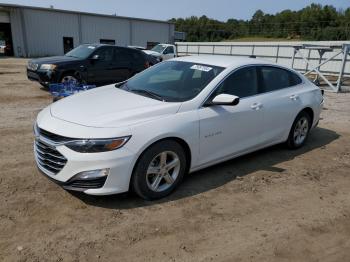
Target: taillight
x,y
147,65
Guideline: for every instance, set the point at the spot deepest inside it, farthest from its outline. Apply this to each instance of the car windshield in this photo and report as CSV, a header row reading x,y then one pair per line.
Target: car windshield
x,y
82,51
158,48
172,81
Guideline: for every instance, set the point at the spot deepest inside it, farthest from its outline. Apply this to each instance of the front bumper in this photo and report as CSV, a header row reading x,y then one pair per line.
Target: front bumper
x,y
120,163
44,77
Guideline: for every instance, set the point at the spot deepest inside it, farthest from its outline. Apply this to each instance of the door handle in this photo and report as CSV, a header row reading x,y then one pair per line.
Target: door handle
x,y
256,106
294,97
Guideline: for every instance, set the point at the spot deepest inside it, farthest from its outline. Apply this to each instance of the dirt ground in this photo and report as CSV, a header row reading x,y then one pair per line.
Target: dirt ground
x,y
272,205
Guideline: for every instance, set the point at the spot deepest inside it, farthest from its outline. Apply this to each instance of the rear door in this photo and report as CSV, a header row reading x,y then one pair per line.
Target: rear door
x,y
279,90
122,64
139,62
168,53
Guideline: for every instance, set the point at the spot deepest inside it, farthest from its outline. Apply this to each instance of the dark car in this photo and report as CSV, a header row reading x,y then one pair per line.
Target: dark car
x,y
89,63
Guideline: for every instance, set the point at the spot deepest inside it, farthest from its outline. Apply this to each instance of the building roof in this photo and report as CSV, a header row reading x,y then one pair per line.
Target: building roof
x,y
4,5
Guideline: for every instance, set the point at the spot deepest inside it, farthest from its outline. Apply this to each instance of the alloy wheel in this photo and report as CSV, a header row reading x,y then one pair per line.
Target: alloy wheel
x,y
163,171
300,131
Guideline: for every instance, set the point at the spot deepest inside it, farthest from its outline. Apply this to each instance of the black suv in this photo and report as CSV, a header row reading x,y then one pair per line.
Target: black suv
x,y
89,63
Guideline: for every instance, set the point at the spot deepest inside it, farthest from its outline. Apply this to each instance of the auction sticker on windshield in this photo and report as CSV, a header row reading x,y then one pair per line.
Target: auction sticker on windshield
x,y
201,68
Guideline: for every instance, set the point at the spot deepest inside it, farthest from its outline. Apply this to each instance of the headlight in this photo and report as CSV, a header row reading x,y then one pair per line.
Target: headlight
x,y
97,145
47,66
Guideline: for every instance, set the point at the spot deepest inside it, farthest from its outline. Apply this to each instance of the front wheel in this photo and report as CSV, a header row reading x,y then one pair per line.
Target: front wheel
x,y
71,78
299,131
159,170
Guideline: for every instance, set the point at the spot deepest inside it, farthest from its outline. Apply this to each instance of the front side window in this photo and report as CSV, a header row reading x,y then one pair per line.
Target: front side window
x,y
242,83
105,54
274,78
173,81
169,50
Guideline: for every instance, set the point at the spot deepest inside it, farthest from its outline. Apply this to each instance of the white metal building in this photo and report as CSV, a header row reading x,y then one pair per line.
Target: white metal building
x,y
35,32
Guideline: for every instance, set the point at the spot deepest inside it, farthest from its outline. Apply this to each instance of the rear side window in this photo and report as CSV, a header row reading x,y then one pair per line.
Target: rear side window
x,y
242,83
138,57
294,79
274,78
122,55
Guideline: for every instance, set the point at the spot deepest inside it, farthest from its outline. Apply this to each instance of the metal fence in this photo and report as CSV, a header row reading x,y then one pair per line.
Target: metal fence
x,y
279,52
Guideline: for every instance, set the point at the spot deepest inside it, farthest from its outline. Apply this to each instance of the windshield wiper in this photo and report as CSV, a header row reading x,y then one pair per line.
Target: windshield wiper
x,y
122,85
148,93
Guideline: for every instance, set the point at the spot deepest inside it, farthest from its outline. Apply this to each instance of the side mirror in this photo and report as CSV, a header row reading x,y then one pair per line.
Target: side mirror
x,y
225,100
95,57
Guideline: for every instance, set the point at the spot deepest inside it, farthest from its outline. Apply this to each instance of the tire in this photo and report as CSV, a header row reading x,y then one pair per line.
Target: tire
x,y
159,170
300,130
71,77
44,86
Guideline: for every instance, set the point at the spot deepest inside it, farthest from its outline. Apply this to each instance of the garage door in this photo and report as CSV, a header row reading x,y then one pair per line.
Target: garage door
x,y
4,17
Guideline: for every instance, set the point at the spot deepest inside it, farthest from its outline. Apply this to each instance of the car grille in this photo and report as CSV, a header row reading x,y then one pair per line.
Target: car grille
x,y
49,160
32,66
53,137
86,184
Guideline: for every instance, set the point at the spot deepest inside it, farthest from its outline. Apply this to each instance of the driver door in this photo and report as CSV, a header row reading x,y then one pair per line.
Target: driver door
x,y
100,70
168,53
226,131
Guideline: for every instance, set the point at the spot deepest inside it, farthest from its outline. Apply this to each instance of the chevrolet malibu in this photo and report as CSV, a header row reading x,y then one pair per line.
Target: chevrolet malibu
x,y
177,117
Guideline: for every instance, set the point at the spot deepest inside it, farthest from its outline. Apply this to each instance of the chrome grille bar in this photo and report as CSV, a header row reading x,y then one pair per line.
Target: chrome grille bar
x,y
48,159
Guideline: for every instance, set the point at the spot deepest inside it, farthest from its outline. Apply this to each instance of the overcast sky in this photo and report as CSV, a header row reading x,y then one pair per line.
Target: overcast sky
x,y
163,10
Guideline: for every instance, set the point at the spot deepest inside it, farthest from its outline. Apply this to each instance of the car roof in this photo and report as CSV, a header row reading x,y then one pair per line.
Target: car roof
x,y
222,60
97,45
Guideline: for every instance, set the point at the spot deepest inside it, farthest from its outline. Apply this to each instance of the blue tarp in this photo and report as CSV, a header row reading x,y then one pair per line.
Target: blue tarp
x,y
61,90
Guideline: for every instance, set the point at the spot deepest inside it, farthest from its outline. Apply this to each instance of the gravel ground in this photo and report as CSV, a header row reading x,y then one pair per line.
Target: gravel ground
x,y
272,205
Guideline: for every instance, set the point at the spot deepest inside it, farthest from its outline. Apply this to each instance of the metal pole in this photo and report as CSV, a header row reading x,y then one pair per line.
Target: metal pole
x,y
308,58
213,49
231,50
345,55
321,53
277,52
253,47
293,57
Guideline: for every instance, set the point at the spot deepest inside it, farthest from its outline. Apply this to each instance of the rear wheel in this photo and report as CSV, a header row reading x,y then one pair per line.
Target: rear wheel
x,y
159,170
299,131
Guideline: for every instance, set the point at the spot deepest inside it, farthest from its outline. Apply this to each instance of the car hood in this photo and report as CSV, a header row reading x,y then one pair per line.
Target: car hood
x,y
149,52
54,60
110,107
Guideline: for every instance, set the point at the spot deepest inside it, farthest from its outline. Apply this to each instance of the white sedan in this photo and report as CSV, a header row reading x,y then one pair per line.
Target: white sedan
x,y
179,116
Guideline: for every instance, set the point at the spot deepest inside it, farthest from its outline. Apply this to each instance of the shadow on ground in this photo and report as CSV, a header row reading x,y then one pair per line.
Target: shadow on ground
x,y
220,174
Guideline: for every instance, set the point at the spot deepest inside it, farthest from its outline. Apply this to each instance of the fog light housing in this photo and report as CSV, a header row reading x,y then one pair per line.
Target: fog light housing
x,y
92,174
